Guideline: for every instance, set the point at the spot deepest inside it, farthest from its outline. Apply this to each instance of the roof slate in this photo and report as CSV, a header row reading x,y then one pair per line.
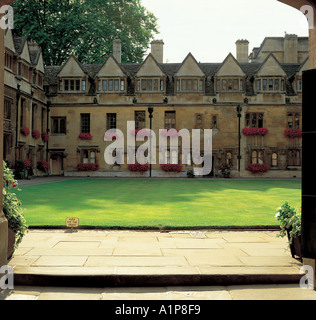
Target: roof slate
x,y
170,69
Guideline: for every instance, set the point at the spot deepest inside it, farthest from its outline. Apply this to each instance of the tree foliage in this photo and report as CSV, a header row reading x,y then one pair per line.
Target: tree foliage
x,y
85,28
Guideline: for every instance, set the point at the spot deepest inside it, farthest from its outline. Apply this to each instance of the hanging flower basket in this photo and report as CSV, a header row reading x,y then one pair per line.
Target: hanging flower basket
x,y
293,133
258,168
45,136
171,167
25,131
88,167
85,136
36,134
255,131
138,167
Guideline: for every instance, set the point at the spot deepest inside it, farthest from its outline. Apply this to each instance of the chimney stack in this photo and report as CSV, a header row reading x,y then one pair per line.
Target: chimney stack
x,y
157,50
242,51
291,48
117,50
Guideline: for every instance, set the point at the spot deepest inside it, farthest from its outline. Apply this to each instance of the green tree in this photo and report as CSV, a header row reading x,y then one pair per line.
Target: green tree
x,y
85,28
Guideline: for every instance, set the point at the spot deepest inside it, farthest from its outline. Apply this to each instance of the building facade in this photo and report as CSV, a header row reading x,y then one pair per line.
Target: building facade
x,y
25,102
77,103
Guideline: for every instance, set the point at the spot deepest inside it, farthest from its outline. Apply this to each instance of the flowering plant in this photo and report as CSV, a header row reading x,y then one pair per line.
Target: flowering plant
x,y
225,169
171,167
140,132
12,206
290,222
45,136
171,133
42,166
110,135
258,168
255,131
36,134
25,131
88,167
85,136
27,163
138,167
293,133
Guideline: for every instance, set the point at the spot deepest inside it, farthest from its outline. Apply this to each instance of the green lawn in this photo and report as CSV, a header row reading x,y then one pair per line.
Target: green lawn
x,y
159,203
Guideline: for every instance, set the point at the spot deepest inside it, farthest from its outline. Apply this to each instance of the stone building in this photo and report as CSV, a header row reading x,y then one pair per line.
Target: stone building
x,y
76,98
25,102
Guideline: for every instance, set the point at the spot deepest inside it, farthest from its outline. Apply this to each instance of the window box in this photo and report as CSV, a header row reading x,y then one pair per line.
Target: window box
x,y
258,168
293,133
43,166
36,134
138,167
255,131
87,167
171,167
85,136
110,136
45,136
169,133
25,131
141,132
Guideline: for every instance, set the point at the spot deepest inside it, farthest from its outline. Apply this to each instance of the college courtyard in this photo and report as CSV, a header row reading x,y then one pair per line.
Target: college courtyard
x,y
103,230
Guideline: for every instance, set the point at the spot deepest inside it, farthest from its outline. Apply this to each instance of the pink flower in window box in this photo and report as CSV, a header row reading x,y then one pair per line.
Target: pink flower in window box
x,y
25,131
36,134
85,136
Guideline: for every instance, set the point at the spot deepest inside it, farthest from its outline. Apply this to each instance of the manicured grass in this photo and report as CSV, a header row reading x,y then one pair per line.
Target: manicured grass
x,y
159,203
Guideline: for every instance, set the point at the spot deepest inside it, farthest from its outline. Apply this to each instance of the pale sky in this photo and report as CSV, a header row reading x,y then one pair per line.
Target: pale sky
x,y
209,28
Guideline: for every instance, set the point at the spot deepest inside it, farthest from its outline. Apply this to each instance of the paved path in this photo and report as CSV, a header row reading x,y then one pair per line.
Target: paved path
x,y
154,253
204,265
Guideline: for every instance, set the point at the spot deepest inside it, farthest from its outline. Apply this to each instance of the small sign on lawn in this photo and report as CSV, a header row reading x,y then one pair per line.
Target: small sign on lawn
x,y
72,223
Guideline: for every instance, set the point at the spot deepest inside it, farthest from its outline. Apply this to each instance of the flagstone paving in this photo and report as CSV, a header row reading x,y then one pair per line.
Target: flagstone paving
x,y
131,252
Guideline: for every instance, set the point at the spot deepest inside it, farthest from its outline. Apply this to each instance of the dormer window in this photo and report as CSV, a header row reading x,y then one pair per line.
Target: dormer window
x,y
229,84
150,85
189,85
270,85
111,85
72,85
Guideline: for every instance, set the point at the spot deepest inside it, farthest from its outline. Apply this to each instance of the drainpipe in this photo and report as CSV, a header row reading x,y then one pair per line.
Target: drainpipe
x,y
18,96
47,126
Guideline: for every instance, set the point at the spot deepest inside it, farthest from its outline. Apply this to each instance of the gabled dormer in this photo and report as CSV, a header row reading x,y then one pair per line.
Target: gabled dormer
x,y
37,61
230,76
72,78
150,77
9,50
270,77
189,76
111,78
24,61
